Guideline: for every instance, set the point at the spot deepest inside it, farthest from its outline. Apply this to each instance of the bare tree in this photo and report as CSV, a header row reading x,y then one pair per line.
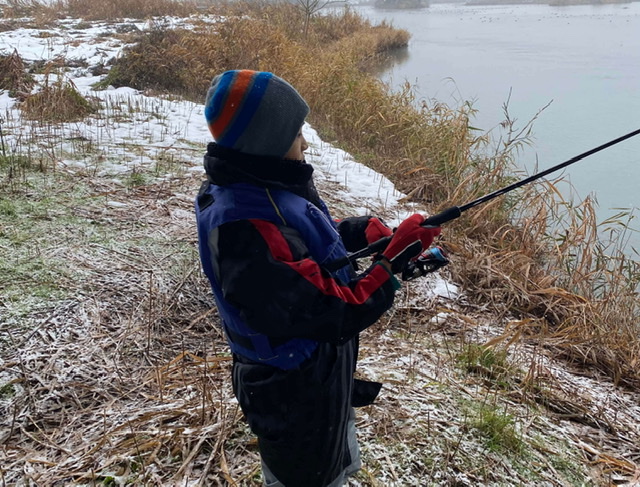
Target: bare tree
x,y
311,7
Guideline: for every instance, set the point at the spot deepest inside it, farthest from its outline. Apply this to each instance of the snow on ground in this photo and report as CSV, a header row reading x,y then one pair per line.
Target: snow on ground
x,y
128,134
76,40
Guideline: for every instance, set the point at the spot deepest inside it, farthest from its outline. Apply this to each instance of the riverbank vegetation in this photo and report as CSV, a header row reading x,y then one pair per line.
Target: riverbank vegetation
x,y
91,245
530,254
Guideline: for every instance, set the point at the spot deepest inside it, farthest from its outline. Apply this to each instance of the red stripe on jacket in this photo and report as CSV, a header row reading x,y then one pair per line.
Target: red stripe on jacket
x,y
311,271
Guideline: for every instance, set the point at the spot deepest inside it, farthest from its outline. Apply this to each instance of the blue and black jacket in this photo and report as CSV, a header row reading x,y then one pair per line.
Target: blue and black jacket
x,y
293,327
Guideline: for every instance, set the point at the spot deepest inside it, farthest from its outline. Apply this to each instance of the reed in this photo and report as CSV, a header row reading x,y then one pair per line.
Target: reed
x,y
14,76
98,10
22,8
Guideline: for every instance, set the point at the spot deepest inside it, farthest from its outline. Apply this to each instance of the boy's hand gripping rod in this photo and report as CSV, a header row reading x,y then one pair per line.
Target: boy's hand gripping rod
x,y
455,211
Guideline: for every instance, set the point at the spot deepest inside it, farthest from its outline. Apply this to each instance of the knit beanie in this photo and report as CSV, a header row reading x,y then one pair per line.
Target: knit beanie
x,y
254,112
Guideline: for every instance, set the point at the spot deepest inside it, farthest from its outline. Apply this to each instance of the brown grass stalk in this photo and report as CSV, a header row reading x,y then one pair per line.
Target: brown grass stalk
x,y
56,101
14,76
114,382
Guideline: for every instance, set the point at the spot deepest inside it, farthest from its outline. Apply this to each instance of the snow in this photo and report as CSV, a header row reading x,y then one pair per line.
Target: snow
x,y
76,40
359,181
73,45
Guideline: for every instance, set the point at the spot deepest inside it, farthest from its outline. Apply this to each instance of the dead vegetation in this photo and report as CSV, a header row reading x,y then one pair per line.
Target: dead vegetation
x,y
93,10
105,376
21,8
123,379
56,101
123,9
148,393
184,61
14,76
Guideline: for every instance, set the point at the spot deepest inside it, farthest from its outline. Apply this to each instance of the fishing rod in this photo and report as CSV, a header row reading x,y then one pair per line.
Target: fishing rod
x,y
455,211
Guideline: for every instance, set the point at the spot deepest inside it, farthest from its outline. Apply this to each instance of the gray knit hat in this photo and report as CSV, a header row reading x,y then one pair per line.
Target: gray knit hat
x,y
254,112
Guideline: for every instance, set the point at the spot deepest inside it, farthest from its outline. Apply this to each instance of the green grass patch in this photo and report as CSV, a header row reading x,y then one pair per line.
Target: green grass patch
x,y
486,362
33,276
497,427
136,179
7,391
8,209
50,237
38,235
567,464
16,162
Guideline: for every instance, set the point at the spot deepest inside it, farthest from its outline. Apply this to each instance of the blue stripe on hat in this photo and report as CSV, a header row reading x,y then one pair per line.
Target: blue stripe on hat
x,y
216,103
250,105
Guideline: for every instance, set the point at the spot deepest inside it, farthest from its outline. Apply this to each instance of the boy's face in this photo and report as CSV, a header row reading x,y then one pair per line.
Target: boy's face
x,y
296,152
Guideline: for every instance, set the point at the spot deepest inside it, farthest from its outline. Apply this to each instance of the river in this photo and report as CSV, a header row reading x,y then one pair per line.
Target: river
x,y
583,60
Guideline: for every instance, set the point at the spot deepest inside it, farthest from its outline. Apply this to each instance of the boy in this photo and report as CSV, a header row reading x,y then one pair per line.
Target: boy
x,y
292,326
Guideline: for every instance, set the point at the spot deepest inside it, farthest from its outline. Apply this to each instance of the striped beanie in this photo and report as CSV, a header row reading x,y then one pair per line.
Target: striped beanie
x,y
254,112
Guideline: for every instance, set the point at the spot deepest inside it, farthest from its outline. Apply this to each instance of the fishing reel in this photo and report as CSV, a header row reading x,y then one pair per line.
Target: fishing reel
x,y
428,261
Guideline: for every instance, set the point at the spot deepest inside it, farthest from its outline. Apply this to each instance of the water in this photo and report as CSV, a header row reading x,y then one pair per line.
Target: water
x,y
585,60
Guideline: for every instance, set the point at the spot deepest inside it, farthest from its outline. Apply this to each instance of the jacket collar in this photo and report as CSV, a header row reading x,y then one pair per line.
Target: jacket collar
x,y
226,166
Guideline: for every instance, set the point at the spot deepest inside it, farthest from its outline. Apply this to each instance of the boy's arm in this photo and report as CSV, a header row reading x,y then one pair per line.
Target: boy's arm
x,y
265,271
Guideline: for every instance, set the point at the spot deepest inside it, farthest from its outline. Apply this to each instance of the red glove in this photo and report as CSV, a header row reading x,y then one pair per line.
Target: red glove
x,y
376,230
408,242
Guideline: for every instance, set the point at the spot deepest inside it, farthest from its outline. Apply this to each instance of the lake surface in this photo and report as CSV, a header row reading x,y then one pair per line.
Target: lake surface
x,y
585,60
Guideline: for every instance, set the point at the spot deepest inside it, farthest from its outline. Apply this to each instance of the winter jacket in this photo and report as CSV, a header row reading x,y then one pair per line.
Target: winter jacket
x,y
265,268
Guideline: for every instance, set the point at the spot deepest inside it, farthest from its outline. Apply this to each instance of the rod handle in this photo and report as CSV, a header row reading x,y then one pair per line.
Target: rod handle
x,y
442,217
374,248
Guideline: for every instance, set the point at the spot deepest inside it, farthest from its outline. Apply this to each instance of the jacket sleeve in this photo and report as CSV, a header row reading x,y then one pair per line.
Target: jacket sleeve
x,y
265,272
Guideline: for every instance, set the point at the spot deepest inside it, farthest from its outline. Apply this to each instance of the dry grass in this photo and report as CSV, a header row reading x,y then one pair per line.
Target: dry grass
x,y
14,76
121,9
21,8
98,10
57,101
125,378
582,291
508,257
121,385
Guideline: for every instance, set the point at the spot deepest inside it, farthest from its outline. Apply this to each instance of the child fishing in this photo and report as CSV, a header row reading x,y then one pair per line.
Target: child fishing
x,y
266,241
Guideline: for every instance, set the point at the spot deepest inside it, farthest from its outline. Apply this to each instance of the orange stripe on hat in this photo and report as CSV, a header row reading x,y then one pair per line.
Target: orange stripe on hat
x,y
237,92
